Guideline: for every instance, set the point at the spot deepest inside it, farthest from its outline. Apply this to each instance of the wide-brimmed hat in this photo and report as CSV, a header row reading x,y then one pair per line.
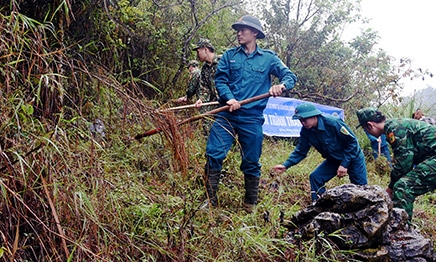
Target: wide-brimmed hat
x,y
305,110
250,21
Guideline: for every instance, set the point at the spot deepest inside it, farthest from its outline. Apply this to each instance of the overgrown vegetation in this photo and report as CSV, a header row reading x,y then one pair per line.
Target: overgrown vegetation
x,y
72,193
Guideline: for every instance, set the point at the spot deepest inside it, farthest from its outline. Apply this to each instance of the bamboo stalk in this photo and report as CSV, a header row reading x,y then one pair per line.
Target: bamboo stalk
x,y
188,106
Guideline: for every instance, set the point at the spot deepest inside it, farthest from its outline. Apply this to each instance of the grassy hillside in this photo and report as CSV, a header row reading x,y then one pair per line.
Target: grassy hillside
x,y
80,197
69,193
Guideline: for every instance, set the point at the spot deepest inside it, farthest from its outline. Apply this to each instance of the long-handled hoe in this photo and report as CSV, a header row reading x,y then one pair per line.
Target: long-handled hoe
x,y
209,113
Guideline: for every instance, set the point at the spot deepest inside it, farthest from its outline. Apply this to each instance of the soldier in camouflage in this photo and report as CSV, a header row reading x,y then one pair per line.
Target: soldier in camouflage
x,y
194,81
206,91
419,115
414,145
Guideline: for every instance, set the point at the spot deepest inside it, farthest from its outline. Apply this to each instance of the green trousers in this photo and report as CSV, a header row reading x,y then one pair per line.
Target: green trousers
x,y
418,181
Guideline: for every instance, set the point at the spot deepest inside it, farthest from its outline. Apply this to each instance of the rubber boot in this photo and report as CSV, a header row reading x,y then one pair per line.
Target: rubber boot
x,y
212,181
251,192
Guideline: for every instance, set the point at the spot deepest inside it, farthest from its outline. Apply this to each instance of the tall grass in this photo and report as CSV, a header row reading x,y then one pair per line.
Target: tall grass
x,y
118,199
68,194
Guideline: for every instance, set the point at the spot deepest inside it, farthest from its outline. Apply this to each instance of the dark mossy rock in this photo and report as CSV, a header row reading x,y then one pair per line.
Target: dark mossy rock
x,y
362,219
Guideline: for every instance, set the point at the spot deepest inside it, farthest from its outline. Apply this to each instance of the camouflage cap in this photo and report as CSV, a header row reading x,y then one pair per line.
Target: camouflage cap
x,y
193,63
368,114
203,42
305,110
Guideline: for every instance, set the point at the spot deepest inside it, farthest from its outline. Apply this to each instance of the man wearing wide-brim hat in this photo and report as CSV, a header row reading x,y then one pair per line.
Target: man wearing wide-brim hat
x,y
243,72
334,140
249,22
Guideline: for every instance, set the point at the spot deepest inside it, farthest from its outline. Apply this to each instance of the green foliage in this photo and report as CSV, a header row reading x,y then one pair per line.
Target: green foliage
x,y
71,194
307,37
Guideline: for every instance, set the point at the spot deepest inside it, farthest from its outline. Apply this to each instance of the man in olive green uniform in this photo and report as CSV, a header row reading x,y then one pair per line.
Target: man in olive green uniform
x,y
194,81
414,145
206,91
419,115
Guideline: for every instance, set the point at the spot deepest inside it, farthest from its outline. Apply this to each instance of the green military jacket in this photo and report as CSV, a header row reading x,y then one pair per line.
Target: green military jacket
x,y
194,83
207,91
412,142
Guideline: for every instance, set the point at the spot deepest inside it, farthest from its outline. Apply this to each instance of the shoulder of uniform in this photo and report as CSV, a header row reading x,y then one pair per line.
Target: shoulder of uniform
x,y
232,50
331,120
268,51
390,121
400,121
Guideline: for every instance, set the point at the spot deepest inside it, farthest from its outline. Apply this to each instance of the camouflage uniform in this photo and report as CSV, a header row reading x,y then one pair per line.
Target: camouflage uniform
x,y
428,120
207,91
414,172
418,114
194,83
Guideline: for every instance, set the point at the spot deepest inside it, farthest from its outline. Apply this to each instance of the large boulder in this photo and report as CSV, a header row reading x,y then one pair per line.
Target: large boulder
x,y
362,219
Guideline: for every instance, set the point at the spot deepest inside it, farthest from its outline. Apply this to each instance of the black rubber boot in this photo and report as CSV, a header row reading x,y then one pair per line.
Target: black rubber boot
x,y
212,181
251,192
